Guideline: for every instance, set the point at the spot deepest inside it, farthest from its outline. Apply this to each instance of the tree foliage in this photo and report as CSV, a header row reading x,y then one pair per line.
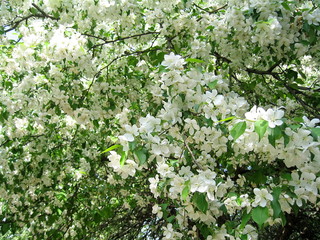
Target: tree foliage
x,y
158,119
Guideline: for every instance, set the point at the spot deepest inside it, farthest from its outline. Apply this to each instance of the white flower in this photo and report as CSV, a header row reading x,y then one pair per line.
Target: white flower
x,y
310,123
127,137
273,117
157,210
261,197
149,123
173,61
168,231
114,160
21,123
255,113
251,231
154,185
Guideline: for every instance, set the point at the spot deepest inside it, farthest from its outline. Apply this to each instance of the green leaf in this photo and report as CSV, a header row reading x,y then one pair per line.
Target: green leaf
x,y
290,74
132,61
286,176
171,218
2,30
186,190
275,202
113,138
213,84
286,140
283,218
132,145
245,218
111,148
260,215
200,201
106,212
238,130
123,158
227,119
286,6
315,132
223,208
260,127
258,177
194,60
294,126
276,208
33,11
141,155
275,134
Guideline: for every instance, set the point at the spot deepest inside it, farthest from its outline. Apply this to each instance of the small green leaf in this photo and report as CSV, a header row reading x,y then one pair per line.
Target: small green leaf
x,y
286,176
245,218
227,119
315,132
276,208
194,60
33,11
258,177
186,190
200,201
275,202
260,127
106,212
238,130
260,215
123,158
291,74
275,134
132,61
213,84
141,155
171,218
111,148
132,145
286,140
294,126
283,219
223,208
113,138
286,6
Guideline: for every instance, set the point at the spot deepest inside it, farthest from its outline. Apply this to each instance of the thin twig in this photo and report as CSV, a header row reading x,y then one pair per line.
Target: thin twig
x,y
42,15
193,158
210,12
120,38
109,64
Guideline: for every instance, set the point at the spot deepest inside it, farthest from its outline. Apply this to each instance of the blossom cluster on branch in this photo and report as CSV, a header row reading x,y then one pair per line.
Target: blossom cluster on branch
x,y
146,119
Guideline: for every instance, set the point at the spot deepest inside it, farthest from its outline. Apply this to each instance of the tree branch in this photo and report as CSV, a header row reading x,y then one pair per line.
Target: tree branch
x,y
42,15
210,12
118,39
191,153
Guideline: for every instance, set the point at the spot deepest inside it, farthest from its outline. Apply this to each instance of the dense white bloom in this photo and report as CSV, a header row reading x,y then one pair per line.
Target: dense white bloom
x,y
262,197
173,61
156,209
114,160
310,123
154,185
82,78
251,232
273,117
255,113
127,137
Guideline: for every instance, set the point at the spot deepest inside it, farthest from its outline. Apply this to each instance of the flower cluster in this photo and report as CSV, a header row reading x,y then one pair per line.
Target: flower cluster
x,y
149,119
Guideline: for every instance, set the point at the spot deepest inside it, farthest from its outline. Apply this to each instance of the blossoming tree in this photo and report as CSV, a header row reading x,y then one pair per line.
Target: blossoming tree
x,y
131,119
